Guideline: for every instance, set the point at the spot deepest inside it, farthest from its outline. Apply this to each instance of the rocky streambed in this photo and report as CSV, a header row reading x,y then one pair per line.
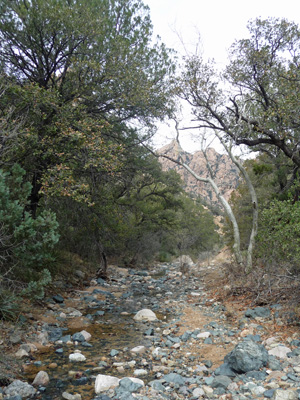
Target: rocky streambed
x,y
154,334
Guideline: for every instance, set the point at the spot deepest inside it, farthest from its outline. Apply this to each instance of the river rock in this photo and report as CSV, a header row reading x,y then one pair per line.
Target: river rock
x,y
140,372
280,351
221,381
41,379
54,334
43,338
21,353
58,299
105,382
15,338
261,312
247,356
145,315
69,396
128,385
137,380
77,357
87,336
75,314
138,350
20,388
78,337
198,392
287,394
203,335
174,378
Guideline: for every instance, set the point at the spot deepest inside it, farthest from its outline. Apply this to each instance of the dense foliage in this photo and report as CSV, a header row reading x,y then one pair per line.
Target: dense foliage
x,y
82,84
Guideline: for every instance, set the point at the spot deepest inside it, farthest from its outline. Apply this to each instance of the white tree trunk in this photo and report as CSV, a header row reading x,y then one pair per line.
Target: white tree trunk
x,y
253,202
227,208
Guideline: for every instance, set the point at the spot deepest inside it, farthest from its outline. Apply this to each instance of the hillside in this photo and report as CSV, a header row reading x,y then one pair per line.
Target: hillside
x,y
226,174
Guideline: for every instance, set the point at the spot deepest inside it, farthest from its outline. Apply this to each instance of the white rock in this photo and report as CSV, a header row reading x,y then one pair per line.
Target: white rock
x,y
75,313
203,335
138,350
41,379
69,396
21,353
145,315
258,391
105,382
195,294
198,392
270,340
233,386
140,372
86,335
137,380
207,389
285,394
76,357
156,352
280,351
131,363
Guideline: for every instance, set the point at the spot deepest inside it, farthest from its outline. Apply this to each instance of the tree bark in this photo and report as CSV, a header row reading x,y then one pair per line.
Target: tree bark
x,y
254,202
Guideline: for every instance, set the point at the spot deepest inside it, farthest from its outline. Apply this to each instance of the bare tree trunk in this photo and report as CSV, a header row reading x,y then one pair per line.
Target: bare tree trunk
x,y
102,270
227,208
253,201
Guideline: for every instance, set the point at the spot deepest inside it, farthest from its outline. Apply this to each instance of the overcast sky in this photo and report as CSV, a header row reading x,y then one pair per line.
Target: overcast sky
x,y
218,22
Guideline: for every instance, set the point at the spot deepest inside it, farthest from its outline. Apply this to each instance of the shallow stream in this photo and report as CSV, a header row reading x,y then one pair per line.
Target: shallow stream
x,y
111,331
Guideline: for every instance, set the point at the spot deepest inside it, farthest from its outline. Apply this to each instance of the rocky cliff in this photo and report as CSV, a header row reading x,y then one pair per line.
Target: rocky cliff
x,y
226,174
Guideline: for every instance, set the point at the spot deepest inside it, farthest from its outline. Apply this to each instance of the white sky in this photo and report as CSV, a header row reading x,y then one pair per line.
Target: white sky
x,y
218,22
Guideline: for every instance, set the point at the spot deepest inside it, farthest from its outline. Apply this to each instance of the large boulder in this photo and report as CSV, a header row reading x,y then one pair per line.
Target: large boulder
x,y
247,356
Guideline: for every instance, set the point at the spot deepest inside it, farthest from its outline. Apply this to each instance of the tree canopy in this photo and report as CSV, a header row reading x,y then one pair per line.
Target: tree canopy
x,y
86,78
256,100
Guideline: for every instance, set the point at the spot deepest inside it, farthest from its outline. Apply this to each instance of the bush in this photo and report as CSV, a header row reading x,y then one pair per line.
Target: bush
x,y
35,289
9,305
278,241
26,244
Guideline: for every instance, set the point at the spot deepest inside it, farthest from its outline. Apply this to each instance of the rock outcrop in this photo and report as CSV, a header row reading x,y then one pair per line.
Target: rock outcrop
x,y
226,174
